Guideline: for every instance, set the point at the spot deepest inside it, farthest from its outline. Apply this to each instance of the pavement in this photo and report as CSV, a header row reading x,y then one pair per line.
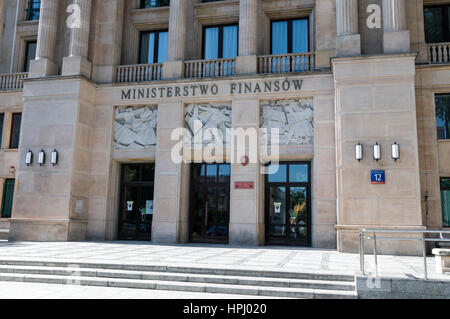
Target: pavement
x,y
292,259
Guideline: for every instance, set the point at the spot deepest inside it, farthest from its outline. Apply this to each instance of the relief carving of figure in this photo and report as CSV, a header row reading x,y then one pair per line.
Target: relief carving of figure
x,y
135,127
293,118
215,120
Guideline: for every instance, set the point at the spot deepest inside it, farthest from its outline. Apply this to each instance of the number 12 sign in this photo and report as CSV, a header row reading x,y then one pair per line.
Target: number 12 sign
x,y
378,177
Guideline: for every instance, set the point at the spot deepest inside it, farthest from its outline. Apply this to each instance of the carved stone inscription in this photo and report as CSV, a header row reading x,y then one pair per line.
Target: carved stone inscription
x,y
135,127
293,118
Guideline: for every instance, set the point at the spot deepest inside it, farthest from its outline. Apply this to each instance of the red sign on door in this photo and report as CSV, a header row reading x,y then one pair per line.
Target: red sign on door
x,y
244,185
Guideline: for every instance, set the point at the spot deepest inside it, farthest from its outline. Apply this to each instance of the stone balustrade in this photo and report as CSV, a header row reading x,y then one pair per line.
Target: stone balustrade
x,y
286,63
439,52
139,73
12,81
209,68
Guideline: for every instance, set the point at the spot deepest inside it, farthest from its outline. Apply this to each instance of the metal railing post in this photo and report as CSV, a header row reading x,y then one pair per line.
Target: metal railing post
x,y
361,252
424,247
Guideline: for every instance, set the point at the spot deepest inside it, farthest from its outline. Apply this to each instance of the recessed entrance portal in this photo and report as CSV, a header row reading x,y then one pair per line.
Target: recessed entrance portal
x,y
210,203
136,207
288,205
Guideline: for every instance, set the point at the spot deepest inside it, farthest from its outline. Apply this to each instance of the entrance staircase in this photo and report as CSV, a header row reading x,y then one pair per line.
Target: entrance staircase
x,y
4,229
182,278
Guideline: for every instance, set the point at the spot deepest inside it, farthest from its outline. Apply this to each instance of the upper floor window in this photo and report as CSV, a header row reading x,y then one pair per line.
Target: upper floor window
x,y
437,23
154,3
30,54
15,130
442,102
220,42
2,119
33,9
153,47
290,36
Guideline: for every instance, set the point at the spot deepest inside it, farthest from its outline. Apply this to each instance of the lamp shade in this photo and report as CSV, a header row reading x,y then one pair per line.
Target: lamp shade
x,y
377,152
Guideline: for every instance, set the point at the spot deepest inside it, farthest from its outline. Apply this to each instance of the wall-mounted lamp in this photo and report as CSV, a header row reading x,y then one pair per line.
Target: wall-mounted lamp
x,y
54,158
41,158
29,158
359,153
377,152
395,151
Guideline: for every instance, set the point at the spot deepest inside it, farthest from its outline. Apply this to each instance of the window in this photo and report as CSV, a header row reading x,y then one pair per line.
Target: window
x,y
153,47
30,54
290,36
33,10
445,198
2,118
154,3
442,102
220,42
15,131
437,24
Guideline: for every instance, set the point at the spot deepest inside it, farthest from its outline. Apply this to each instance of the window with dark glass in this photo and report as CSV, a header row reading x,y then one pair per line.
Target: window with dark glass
x,y
15,130
153,47
290,36
442,104
445,199
33,9
154,3
437,23
30,54
2,118
220,42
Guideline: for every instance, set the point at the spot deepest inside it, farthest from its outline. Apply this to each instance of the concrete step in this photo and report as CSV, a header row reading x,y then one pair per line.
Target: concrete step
x,y
4,223
4,234
180,277
203,270
181,286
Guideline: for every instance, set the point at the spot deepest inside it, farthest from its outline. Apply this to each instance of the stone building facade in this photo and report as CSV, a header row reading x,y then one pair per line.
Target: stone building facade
x,y
101,98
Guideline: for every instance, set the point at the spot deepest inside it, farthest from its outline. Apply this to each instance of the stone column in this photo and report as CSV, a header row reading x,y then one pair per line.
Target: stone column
x,y
45,51
173,69
248,37
348,39
2,18
76,62
396,38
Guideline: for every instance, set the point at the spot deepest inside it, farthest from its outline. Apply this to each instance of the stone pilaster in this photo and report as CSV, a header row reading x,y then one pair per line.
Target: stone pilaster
x,y
246,62
396,38
45,51
177,30
77,63
246,207
348,41
2,19
170,219
173,68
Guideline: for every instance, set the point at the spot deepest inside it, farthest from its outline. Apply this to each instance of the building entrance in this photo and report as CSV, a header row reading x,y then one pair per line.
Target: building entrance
x,y
210,203
136,208
288,205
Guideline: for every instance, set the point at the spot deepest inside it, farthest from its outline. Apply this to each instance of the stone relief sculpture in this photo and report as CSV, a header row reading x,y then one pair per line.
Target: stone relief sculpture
x,y
135,127
215,118
293,118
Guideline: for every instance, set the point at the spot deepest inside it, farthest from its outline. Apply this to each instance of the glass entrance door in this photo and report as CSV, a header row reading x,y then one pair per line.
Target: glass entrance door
x,y
210,202
288,204
136,209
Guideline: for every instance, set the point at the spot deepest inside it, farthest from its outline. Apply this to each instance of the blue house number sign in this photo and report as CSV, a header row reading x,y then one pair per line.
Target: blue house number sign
x,y
378,177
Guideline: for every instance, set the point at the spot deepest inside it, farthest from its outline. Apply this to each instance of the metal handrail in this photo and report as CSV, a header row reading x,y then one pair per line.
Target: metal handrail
x,y
423,239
